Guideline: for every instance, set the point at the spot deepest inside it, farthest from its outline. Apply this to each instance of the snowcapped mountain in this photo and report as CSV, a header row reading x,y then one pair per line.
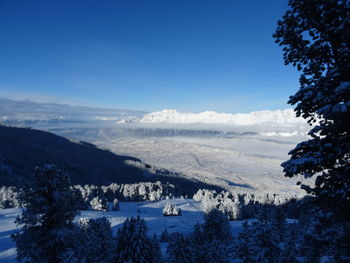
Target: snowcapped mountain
x,y
279,117
29,112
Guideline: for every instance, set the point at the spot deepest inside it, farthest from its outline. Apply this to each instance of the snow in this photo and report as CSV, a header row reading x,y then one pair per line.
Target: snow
x,y
240,150
280,117
7,228
192,213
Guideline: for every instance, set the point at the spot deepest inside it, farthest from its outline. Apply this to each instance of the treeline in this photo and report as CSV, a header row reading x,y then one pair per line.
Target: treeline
x,y
317,236
239,206
98,197
49,233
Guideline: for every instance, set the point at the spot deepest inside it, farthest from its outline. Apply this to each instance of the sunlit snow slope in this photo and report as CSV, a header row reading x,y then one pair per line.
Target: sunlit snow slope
x,y
279,117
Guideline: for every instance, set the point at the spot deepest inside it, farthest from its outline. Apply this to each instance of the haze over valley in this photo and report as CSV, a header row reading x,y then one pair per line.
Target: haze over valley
x,y
242,152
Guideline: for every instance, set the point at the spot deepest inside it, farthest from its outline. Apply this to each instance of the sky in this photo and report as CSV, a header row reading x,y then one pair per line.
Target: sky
x,y
189,55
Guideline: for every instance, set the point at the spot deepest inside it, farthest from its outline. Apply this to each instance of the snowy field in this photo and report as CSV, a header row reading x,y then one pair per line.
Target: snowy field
x,y
245,162
152,213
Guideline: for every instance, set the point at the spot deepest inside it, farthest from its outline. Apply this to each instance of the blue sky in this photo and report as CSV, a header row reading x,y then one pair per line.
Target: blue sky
x,y
191,55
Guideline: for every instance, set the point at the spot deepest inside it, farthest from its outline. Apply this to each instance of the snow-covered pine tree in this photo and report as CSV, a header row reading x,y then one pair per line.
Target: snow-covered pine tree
x,y
47,234
9,197
99,203
171,210
115,205
133,243
315,36
180,250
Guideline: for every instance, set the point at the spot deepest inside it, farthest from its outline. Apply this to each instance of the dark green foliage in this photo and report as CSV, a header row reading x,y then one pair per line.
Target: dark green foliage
x,y
216,226
245,247
133,243
95,241
259,241
278,222
180,250
197,236
321,234
209,240
315,36
289,250
266,237
165,237
47,234
342,244
214,252
157,255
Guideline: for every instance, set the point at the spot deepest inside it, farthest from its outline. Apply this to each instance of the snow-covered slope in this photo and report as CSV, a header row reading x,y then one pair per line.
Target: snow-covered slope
x,y
192,213
278,117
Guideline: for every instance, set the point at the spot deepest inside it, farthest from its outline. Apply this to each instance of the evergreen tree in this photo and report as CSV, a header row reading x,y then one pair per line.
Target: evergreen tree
x,y
265,238
48,232
197,236
180,250
342,245
214,252
99,203
156,252
171,210
245,247
289,251
315,36
134,244
96,240
165,237
198,240
320,233
115,205
216,226
278,222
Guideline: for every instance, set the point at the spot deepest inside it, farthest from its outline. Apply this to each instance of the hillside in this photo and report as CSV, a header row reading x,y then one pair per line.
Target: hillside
x,y
21,149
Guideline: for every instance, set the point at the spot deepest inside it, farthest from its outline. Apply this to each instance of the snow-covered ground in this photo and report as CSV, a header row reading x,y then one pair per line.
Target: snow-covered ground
x,y
280,117
152,213
243,151
245,158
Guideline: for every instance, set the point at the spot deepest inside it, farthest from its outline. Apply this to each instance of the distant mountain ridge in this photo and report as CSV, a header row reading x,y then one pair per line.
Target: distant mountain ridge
x,y
278,117
28,112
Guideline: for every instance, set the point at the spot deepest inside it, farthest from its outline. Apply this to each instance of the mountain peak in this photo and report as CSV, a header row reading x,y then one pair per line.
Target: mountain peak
x,y
211,117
